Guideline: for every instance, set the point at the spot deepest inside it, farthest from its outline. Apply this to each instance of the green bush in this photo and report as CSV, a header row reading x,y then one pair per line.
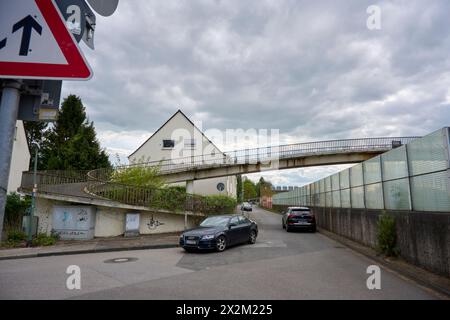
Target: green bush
x,y
387,236
15,239
15,209
17,236
138,176
44,240
218,204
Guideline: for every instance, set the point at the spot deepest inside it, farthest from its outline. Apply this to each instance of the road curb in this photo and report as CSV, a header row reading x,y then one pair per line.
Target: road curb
x,y
393,265
88,251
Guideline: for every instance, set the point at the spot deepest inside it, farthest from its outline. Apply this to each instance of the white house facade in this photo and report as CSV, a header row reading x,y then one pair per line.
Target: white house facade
x,y
20,158
179,138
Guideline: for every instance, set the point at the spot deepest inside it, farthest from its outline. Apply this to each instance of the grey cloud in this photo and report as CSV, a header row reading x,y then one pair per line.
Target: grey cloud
x,y
309,68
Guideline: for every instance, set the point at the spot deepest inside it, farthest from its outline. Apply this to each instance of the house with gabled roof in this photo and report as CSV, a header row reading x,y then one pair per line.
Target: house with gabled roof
x,y
179,138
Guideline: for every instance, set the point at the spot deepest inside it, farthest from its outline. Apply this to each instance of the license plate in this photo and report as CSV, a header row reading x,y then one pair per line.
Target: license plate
x,y
302,223
191,242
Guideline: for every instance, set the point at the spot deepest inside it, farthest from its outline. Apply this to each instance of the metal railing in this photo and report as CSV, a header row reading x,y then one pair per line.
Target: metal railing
x,y
81,184
271,153
61,182
98,182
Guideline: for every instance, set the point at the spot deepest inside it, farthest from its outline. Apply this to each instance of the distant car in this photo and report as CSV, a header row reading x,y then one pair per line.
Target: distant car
x,y
299,218
246,206
219,232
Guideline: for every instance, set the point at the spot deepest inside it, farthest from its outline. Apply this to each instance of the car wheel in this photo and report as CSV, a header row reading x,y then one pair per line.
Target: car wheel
x,y
188,250
252,238
221,243
287,228
313,229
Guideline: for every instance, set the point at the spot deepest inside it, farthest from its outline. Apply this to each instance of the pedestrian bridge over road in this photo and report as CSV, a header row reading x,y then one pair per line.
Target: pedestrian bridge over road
x,y
288,156
97,186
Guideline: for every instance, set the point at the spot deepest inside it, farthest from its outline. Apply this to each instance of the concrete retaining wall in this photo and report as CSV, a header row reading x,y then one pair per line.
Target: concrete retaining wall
x,y
423,238
110,222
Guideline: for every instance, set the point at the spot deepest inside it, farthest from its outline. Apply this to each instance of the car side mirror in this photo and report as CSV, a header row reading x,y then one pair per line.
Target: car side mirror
x,y
231,225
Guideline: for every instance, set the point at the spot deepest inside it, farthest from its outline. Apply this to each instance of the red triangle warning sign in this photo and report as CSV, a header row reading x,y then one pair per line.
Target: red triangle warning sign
x,y
35,43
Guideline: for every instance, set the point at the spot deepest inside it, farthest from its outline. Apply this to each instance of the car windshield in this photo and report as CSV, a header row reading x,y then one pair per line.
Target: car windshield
x,y
300,210
215,222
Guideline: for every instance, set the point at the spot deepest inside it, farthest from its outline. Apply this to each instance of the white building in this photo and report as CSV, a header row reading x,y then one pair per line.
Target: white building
x,y
178,138
20,159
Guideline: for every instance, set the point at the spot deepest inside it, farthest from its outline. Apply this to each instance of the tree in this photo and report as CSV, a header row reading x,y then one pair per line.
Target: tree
x,y
72,142
249,189
263,188
239,188
34,131
14,210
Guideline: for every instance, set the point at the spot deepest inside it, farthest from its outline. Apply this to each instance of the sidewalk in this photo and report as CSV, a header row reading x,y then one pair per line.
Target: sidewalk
x,y
66,247
422,277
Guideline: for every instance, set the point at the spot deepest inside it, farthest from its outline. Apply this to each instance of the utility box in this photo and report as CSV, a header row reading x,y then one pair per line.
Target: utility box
x,y
132,225
34,224
74,222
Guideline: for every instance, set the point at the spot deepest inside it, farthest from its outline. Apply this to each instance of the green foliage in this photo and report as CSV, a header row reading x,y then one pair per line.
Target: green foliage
x,y
17,236
138,176
264,188
387,235
169,198
15,239
249,189
239,188
143,185
218,204
72,142
15,209
44,240
34,131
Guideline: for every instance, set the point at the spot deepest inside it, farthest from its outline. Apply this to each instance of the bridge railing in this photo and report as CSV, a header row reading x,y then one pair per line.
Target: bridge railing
x,y
274,153
61,182
99,182
95,184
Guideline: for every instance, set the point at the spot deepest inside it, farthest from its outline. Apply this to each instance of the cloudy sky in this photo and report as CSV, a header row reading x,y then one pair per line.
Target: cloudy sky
x,y
311,69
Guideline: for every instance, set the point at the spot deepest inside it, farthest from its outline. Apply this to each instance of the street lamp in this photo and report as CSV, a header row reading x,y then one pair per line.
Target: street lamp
x,y
33,197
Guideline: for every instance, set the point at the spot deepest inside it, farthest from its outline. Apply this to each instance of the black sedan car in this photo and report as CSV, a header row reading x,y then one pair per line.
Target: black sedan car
x,y
298,218
220,232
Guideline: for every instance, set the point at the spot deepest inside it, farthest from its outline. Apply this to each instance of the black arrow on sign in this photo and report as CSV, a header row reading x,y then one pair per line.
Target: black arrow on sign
x,y
28,24
3,43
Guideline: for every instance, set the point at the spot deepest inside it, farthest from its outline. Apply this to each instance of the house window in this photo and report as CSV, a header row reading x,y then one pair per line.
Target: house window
x,y
168,143
189,143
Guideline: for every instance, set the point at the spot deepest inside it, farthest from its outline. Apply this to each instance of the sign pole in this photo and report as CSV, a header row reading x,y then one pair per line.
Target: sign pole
x,y
9,108
33,199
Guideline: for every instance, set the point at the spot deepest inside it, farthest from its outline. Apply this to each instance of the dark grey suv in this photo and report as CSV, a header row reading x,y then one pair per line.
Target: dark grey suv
x,y
299,218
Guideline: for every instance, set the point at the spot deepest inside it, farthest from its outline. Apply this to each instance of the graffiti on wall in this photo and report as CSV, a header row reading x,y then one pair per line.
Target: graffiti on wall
x,y
81,215
153,224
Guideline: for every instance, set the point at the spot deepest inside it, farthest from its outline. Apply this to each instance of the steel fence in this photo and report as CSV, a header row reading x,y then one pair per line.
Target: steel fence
x,y
271,153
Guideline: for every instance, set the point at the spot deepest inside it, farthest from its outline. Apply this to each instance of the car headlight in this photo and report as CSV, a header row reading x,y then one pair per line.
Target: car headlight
x,y
208,237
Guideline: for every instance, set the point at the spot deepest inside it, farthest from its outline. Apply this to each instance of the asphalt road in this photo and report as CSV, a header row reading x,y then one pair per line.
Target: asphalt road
x,y
280,265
